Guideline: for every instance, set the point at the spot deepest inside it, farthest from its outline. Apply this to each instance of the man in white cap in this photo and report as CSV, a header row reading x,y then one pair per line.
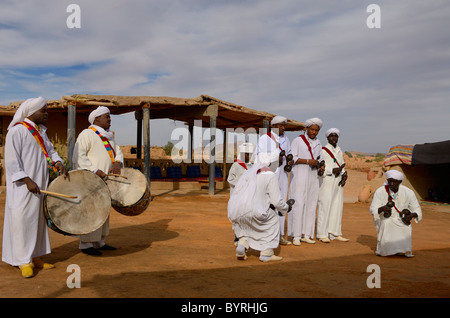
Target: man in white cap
x,y
276,139
393,207
304,188
96,150
28,156
240,165
251,209
331,193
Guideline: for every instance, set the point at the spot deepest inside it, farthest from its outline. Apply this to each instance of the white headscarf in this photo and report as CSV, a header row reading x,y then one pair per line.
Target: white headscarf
x,y
242,203
394,174
98,112
333,131
314,121
278,120
27,108
101,110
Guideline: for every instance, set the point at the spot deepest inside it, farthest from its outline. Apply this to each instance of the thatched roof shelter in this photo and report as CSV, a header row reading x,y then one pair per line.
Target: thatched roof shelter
x,y
211,111
181,109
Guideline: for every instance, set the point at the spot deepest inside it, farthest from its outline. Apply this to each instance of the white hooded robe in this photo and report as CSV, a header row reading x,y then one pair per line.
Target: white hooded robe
x,y
25,232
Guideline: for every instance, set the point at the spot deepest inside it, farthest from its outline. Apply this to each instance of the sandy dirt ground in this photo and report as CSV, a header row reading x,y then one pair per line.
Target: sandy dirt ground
x,y
182,246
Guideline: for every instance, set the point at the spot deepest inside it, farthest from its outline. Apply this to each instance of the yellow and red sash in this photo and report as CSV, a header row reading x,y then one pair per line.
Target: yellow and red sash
x,y
40,141
107,145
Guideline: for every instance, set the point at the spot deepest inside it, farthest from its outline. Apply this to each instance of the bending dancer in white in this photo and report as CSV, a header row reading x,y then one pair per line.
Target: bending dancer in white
x,y
90,153
304,188
254,220
331,193
277,139
393,207
25,233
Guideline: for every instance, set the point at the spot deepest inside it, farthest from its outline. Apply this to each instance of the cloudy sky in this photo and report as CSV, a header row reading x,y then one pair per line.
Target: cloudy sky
x,y
300,59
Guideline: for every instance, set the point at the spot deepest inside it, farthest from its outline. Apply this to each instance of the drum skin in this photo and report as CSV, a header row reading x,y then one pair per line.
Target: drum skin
x,y
129,196
82,215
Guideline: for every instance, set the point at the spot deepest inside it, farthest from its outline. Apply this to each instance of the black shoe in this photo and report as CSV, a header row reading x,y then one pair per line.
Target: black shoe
x,y
91,251
107,247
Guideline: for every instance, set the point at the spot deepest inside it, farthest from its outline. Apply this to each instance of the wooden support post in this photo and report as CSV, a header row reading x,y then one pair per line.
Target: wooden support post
x,y
146,126
212,155
224,163
71,121
138,115
266,123
190,155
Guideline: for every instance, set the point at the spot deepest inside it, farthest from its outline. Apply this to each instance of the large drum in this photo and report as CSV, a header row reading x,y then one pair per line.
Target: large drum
x,y
130,195
82,215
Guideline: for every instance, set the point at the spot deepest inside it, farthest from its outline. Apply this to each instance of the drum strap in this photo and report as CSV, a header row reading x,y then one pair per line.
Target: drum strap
x,y
307,145
241,163
331,155
107,145
269,133
37,136
391,199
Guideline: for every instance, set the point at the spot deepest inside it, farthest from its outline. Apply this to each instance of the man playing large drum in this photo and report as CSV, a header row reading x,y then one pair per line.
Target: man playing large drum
x,y
96,150
28,155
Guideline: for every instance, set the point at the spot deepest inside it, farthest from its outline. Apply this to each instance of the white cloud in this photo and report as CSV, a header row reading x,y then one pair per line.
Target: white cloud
x,y
300,59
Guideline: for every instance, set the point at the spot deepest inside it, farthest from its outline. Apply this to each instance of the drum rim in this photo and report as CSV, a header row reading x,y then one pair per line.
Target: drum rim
x,y
147,192
49,217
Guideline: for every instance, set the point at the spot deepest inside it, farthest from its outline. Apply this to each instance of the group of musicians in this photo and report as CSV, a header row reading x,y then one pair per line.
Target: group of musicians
x,y
28,156
312,178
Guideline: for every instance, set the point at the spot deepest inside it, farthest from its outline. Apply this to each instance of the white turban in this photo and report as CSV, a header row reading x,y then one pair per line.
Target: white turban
x,y
394,174
278,120
246,147
98,112
27,108
333,131
314,121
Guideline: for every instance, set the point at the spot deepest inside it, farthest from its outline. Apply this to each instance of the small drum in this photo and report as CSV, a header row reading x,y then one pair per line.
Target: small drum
x,y
82,215
130,196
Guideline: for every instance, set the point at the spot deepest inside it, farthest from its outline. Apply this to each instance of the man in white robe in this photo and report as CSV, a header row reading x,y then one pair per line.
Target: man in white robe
x,y
394,236
91,154
304,188
242,164
251,209
279,139
25,232
331,193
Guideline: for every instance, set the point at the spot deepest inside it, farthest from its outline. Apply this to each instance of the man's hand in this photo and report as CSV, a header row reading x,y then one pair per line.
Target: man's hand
x,y
115,169
312,163
101,174
387,211
343,179
62,170
31,185
337,172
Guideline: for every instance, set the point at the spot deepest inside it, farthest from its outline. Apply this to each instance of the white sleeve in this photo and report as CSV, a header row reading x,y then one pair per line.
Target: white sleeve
x,y
80,157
